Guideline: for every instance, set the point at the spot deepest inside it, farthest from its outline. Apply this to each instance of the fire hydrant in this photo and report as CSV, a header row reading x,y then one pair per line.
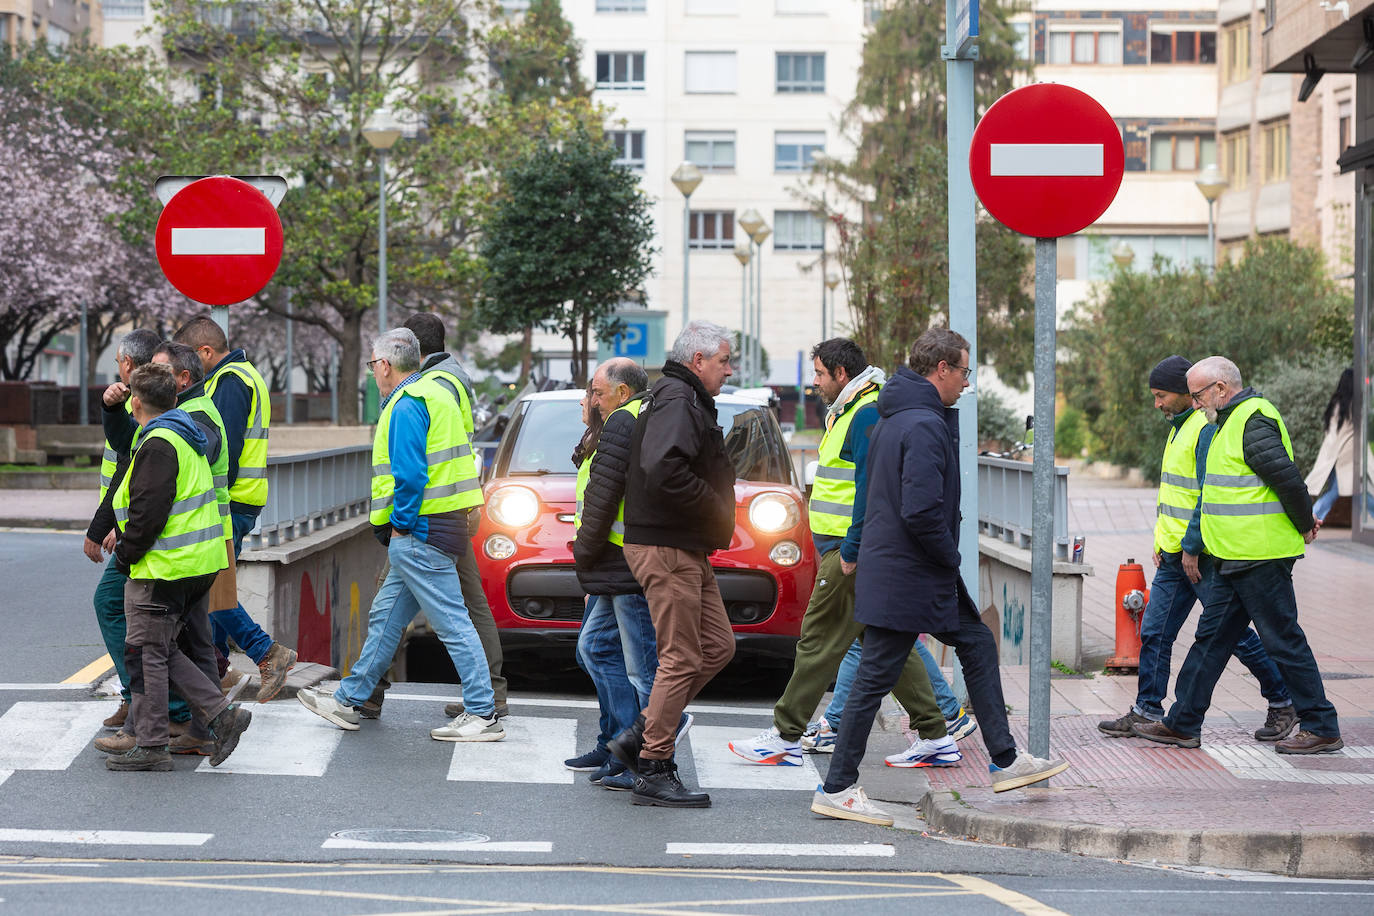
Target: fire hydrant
x,y
1131,598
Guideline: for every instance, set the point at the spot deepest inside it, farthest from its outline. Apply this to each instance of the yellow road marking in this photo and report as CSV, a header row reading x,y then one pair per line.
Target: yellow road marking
x,y
95,669
1005,896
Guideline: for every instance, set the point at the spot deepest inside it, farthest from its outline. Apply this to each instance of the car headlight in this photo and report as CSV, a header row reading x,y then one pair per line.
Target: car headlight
x,y
785,553
499,547
513,507
771,513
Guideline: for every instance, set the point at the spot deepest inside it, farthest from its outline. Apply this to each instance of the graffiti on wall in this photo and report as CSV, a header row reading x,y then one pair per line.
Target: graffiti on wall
x,y
1005,614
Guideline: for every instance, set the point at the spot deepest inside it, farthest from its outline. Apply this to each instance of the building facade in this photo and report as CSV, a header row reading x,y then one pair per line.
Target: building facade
x,y
54,22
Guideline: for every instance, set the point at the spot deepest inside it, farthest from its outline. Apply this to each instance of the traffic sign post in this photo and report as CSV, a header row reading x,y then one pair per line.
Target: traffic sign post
x,y
1046,160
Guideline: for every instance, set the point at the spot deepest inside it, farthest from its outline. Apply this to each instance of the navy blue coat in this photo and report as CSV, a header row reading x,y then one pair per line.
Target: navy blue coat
x,y
909,559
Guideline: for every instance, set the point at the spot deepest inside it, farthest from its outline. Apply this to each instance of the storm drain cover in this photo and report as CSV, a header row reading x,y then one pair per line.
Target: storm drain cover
x,y
385,835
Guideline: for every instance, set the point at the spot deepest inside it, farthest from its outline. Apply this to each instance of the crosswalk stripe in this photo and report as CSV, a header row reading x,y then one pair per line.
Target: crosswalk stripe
x,y
282,740
719,768
47,736
5,774
533,751
440,846
556,702
879,850
104,837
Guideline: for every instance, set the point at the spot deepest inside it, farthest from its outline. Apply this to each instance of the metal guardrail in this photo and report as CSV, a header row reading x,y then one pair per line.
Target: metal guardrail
x,y
313,490
1004,503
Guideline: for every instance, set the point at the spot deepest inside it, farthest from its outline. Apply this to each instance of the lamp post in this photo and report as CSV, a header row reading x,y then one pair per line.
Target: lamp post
x,y
1211,183
742,254
381,133
685,178
832,280
751,222
763,232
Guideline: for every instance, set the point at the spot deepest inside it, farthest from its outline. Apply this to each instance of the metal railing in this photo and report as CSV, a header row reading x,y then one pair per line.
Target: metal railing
x,y
1004,503
313,490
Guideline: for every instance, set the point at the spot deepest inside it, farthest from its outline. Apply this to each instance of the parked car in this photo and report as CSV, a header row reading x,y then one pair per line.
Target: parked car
x,y
523,544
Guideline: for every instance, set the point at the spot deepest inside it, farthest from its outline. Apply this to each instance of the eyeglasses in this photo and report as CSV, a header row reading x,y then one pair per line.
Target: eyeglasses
x,y
964,369
372,363
1197,395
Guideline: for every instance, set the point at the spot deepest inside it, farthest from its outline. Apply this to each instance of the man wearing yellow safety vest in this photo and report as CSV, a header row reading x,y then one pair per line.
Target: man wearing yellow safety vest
x,y
171,545
850,388
615,644
241,396
1255,516
424,481
1172,593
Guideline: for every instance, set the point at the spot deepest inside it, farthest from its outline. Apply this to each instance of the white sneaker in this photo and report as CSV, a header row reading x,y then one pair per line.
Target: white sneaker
x,y
819,737
937,752
1024,772
769,747
326,707
849,804
470,727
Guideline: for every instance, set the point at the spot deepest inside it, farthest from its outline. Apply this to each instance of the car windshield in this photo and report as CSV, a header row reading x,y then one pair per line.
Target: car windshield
x,y
542,435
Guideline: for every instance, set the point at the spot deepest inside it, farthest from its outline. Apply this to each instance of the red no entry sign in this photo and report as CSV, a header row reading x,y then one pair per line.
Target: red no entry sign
x,y
219,240
1046,160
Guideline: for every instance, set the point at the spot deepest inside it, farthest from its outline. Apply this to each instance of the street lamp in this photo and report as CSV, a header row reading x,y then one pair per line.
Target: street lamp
x,y
686,178
1123,255
758,235
832,280
742,254
381,133
1211,183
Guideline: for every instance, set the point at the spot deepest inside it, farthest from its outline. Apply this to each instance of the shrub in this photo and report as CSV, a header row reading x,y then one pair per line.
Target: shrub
x,y
996,421
1070,433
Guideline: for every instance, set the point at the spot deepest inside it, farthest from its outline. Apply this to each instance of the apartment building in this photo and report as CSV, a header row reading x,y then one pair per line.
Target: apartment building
x,y
54,22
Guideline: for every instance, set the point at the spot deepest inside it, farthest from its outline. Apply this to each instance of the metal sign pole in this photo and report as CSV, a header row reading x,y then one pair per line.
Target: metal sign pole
x,y
1042,499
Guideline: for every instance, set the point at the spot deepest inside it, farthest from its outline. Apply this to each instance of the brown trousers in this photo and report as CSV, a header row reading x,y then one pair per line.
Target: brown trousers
x,y
694,637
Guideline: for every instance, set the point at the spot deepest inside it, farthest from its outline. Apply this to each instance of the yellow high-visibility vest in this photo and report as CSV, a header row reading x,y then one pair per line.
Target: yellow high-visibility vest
x,y
832,494
1178,484
584,475
453,482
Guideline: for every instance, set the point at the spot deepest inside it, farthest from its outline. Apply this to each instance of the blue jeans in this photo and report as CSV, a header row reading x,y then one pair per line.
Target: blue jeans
x,y
617,649
1171,601
1264,594
944,696
421,578
235,623
1323,503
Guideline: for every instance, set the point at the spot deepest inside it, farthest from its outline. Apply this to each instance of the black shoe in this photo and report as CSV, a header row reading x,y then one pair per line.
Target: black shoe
x,y
454,710
1123,727
626,746
1278,724
141,758
228,727
657,784
372,706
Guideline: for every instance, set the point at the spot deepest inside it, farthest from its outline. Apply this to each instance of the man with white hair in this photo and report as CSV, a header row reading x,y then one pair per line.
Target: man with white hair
x,y
1256,516
679,508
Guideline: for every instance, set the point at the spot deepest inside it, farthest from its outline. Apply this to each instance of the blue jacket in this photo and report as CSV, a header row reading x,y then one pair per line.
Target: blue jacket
x,y
909,560
233,399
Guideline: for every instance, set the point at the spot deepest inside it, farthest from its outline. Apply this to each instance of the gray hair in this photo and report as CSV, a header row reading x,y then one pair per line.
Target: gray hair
x,y
1218,369
183,359
399,347
139,345
624,371
704,337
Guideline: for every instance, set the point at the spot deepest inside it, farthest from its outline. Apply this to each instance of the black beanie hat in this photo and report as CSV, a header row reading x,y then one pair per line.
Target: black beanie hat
x,y
1171,375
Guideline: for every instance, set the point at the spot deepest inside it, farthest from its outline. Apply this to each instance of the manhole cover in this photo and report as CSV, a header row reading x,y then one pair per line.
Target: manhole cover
x,y
384,835
1342,675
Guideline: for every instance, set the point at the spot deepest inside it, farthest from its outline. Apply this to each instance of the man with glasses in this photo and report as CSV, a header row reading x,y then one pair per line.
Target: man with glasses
x,y
1255,516
1179,580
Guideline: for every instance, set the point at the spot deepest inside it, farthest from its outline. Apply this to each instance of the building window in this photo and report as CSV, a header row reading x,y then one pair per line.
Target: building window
x,y
114,9
1083,45
712,229
1275,151
1183,47
1235,46
1343,111
797,230
1235,158
711,71
629,145
711,151
1025,45
801,73
1182,152
620,69
620,6
795,151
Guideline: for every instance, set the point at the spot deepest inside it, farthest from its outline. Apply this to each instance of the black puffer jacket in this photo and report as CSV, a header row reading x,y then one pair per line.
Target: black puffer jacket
x,y
601,566
680,491
1262,446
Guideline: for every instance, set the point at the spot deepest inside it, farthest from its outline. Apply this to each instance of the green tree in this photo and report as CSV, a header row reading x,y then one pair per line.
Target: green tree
x,y
569,242
1276,301
896,255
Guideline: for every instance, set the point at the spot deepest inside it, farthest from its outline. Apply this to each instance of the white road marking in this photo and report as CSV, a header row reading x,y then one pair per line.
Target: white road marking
x,y
45,686
47,736
247,240
1044,160
569,703
720,768
533,751
5,774
284,739
104,837
1245,761
877,850
449,846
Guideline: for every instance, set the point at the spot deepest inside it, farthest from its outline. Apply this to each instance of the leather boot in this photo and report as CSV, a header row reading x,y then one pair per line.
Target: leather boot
x,y
274,667
626,746
657,784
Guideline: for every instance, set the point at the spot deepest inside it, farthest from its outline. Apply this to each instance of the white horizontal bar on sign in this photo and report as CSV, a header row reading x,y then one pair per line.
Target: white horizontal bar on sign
x,y
441,846
875,850
103,837
220,240
1045,160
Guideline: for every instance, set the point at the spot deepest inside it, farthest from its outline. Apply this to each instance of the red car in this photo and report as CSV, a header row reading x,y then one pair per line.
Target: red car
x,y
524,541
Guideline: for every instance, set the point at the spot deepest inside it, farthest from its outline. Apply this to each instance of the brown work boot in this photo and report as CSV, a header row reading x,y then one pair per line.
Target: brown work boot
x,y
1158,731
121,742
176,729
187,744
274,667
1304,742
118,718
232,682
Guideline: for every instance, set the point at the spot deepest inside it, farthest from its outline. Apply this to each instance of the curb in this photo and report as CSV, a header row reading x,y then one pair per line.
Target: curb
x,y
60,524
1294,853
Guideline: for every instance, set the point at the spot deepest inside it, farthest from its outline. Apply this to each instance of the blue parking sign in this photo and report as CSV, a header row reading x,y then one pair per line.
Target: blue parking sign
x,y
633,341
